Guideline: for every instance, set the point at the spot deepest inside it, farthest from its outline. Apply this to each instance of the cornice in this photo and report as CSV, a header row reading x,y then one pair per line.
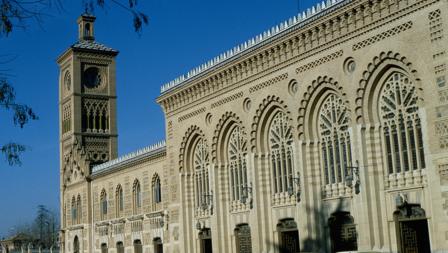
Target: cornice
x,y
150,152
325,32
302,19
75,227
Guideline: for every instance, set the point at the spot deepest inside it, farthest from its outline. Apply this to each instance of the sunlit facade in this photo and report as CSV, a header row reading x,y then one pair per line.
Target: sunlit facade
x,y
326,133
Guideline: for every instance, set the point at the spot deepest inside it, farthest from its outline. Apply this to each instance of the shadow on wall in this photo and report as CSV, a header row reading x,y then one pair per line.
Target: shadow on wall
x,y
318,242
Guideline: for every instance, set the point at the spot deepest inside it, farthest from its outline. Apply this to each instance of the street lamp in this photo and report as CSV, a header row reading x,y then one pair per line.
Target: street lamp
x,y
295,181
207,201
246,191
352,177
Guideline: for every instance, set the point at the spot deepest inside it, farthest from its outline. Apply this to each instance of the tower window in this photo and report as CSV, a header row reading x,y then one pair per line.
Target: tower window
x,y
87,30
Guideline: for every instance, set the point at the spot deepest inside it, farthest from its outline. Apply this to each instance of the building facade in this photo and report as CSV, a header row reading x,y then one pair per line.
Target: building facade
x,y
326,133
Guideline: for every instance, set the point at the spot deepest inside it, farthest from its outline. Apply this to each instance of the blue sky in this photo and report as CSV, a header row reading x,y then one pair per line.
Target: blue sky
x,y
180,36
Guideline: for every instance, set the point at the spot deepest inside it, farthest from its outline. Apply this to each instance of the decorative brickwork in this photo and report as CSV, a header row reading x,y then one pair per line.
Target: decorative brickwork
x,y
268,83
320,61
191,114
435,25
227,99
389,33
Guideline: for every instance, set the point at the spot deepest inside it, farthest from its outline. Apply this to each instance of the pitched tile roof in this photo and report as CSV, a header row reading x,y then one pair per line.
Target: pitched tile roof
x,y
91,45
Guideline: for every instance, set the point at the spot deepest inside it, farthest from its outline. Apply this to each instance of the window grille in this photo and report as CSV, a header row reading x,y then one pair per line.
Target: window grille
x,y
282,154
401,125
201,177
237,153
335,140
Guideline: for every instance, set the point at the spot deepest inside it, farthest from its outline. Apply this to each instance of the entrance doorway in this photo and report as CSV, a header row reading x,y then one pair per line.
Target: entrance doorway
x,y
412,229
342,232
205,236
120,247
158,245
288,236
138,248
243,239
103,248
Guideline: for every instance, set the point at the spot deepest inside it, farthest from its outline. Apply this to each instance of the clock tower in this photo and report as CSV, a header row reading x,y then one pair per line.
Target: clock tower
x,y
88,129
87,96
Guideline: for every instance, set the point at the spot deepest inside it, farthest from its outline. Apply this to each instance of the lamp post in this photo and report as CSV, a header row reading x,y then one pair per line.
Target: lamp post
x,y
295,181
246,194
352,177
207,201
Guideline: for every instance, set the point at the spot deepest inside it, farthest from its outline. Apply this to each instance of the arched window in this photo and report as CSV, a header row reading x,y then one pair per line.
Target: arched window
x,y
103,204
76,245
282,157
137,197
201,162
335,139
119,201
87,30
78,210
74,211
237,151
156,189
401,125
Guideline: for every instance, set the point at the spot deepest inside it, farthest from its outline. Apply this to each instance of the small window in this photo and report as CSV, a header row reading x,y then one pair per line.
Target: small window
x,y
78,209
103,203
137,197
76,245
74,212
87,30
119,201
156,189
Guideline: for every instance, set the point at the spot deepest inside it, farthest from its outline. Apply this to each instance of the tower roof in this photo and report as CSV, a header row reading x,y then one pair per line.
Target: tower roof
x,y
86,40
91,45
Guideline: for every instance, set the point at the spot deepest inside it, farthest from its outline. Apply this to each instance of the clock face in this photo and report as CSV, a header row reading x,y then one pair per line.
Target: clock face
x,y
67,80
92,78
